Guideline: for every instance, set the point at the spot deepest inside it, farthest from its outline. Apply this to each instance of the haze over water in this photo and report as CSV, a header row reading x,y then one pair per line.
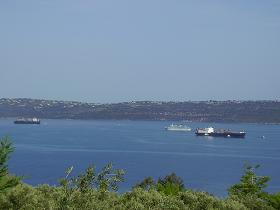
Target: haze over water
x,y
142,148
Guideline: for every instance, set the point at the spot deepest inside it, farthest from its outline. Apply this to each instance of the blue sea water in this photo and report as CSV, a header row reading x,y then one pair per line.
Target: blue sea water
x,y
142,148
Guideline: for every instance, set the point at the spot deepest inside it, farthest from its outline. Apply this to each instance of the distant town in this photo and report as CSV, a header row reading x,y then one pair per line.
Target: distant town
x,y
197,111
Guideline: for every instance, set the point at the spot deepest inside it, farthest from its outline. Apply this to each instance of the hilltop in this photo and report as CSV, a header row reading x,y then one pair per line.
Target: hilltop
x,y
199,111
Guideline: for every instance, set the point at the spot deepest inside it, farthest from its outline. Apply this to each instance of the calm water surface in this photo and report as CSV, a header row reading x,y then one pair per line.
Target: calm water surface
x,y
142,148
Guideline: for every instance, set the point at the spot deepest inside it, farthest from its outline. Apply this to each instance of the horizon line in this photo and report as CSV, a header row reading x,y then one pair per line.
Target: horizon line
x,y
155,101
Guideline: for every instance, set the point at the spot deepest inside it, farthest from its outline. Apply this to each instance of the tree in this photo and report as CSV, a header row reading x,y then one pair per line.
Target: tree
x,y
147,184
84,184
274,200
7,181
250,183
172,179
169,185
106,180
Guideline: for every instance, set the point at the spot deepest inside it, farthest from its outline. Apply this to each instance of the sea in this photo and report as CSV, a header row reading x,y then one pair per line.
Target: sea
x,y
143,148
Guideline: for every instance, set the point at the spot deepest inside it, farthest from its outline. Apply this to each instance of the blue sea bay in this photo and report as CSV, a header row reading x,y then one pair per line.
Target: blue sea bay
x,y
142,148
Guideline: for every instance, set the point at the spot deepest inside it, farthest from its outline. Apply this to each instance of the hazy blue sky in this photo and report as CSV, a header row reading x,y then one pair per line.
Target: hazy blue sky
x,y
123,50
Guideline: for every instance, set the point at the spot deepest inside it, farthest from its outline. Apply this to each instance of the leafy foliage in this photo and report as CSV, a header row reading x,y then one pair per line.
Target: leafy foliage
x,y
172,179
147,184
250,183
169,185
7,181
84,184
106,180
274,200
250,190
25,197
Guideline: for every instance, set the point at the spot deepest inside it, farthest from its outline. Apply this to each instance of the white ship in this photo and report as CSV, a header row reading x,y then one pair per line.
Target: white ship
x,y
174,127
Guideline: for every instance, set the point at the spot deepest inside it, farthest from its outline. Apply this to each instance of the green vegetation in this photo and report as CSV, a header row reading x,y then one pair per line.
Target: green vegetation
x,y
169,185
95,190
7,181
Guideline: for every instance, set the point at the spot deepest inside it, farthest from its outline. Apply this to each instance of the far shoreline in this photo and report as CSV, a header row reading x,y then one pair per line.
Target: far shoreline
x,y
148,120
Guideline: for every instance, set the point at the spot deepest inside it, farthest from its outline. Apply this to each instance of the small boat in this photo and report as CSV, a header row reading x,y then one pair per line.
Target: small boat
x,y
219,133
23,120
174,127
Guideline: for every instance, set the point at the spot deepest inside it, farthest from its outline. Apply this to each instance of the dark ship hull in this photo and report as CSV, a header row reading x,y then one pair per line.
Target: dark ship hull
x,y
224,134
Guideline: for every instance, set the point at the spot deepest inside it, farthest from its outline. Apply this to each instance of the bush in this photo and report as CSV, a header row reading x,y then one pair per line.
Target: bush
x,y
203,200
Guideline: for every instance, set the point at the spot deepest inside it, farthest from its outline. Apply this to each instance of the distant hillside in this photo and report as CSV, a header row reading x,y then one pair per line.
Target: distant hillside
x,y
201,111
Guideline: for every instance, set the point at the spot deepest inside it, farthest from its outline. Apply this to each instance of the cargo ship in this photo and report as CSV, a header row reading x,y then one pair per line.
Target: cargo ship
x,y
33,120
219,133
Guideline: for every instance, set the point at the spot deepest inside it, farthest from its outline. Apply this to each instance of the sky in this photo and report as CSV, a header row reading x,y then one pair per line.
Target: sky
x,y
163,50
